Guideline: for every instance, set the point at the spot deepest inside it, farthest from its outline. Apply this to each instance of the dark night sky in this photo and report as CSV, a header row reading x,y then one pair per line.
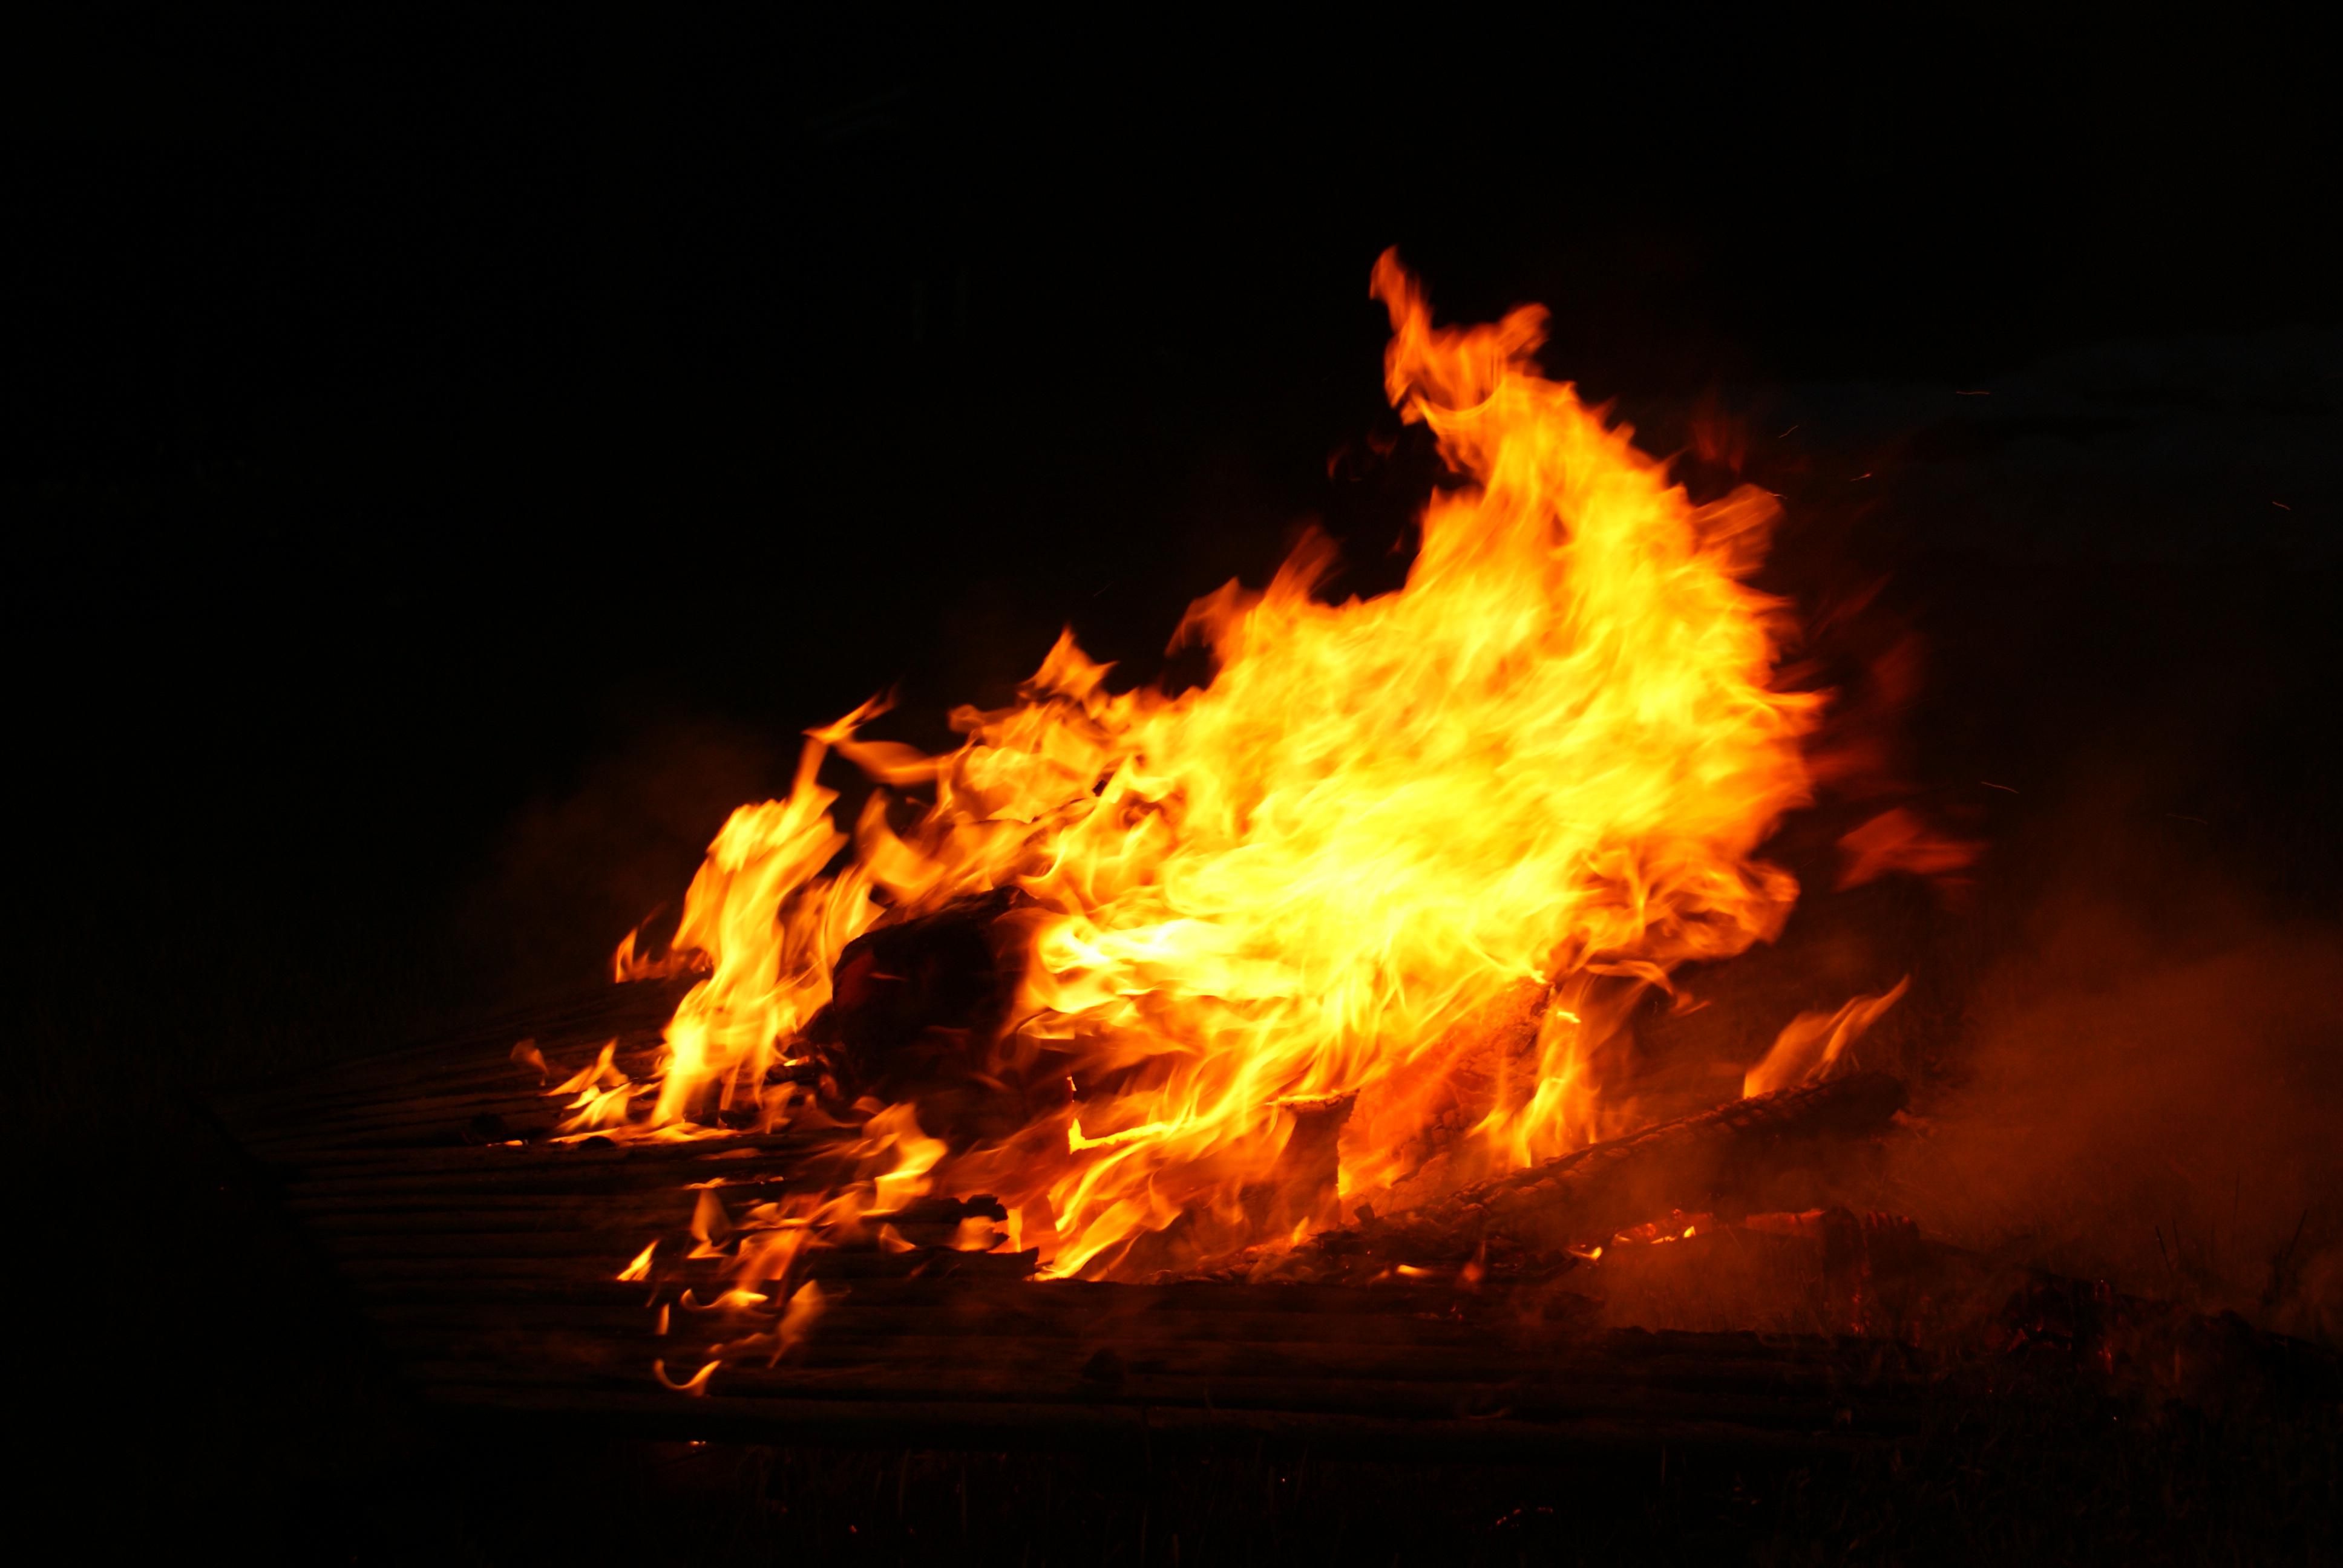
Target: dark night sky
x,y
446,472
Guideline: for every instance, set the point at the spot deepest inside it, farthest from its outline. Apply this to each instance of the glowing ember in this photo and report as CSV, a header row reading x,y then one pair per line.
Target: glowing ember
x,y
1420,851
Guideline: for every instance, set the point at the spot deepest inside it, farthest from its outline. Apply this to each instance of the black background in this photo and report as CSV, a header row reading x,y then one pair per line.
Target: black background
x,y
445,473
403,425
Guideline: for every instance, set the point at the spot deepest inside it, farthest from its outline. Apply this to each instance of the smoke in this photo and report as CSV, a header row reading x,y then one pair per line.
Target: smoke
x,y
579,866
2154,1106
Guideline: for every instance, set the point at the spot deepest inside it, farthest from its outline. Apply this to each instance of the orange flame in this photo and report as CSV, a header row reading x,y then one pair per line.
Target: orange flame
x,y
1899,840
1811,1043
1421,850
631,962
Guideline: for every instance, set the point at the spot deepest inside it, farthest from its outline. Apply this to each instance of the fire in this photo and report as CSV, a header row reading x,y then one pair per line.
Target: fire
x,y
1418,852
1812,1041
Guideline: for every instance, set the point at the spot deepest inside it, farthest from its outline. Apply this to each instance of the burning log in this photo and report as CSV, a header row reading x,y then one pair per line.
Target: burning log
x,y
1550,756
1304,1186
916,1006
494,1276
1587,1196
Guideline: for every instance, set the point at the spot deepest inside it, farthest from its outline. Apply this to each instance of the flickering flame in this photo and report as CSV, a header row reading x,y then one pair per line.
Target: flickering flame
x,y
629,962
1810,1045
696,1384
1422,850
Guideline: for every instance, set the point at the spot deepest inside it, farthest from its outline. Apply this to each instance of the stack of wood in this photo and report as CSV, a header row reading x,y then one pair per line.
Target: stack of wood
x,y
486,1259
508,1275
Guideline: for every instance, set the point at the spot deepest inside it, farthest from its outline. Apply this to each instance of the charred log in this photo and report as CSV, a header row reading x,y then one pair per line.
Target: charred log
x,y
1584,1197
916,1009
1302,1187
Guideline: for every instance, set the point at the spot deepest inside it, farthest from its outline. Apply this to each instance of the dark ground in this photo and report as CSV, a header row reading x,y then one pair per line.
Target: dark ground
x,y
440,492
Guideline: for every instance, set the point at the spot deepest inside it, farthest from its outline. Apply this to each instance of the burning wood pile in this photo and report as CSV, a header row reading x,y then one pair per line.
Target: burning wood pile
x,y
1119,959
1261,1052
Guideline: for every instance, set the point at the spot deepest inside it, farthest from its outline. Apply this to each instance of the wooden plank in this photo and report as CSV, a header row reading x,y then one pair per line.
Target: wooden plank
x,y
1299,1374
326,1161
656,1413
488,1273
1528,1400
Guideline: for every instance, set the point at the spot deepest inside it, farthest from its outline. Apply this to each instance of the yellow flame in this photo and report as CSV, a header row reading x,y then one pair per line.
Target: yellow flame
x,y
798,1319
1525,786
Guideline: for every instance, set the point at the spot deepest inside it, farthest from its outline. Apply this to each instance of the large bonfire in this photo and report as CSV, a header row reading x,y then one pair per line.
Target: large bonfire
x,y
1414,854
